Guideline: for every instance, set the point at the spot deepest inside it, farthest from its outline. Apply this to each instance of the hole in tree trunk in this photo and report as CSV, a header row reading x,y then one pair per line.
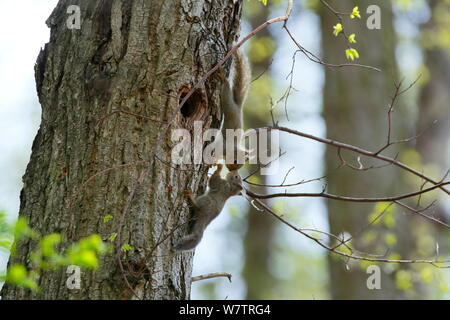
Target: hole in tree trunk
x,y
194,105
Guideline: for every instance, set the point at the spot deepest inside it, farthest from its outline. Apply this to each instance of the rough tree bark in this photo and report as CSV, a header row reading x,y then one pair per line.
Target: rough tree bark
x,y
140,56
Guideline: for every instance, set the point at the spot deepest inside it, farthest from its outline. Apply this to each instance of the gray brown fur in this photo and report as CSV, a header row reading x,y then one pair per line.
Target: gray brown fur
x,y
208,206
232,100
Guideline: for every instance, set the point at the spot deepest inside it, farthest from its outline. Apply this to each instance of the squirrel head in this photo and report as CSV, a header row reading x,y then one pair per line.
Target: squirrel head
x,y
235,182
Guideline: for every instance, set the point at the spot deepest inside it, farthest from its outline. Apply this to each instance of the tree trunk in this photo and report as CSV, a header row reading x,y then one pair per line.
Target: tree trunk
x,y
433,144
355,109
434,101
140,56
258,239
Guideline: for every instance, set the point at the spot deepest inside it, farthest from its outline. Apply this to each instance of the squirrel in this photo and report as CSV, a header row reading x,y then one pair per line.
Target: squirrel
x,y
232,98
208,206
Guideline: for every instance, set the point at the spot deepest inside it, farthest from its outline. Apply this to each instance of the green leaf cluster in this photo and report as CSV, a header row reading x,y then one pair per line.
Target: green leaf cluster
x,y
49,252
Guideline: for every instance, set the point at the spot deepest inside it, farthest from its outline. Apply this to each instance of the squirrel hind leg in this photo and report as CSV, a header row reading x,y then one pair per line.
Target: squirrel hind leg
x,y
188,242
188,195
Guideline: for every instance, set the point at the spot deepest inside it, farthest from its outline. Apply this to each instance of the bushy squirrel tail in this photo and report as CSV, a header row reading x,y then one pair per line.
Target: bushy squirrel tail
x,y
241,78
188,242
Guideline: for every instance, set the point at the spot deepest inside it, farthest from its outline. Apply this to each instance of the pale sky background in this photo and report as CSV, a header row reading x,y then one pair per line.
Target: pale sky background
x,y
23,34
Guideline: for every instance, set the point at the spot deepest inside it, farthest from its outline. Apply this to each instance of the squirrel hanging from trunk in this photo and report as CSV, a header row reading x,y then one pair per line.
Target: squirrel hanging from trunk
x,y
208,206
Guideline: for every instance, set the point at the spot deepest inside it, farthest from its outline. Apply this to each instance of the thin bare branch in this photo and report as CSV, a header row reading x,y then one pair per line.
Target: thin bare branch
x,y
211,276
344,198
316,59
420,213
268,210
360,151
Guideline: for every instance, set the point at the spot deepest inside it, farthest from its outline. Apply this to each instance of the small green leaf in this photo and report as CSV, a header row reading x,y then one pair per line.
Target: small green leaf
x,y
22,230
93,242
85,252
48,244
5,244
126,247
355,13
337,29
112,237
352,54
107,219
86,259
18,275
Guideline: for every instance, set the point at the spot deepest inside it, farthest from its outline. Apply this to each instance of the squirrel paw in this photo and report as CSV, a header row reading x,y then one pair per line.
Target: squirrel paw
x,y
188,242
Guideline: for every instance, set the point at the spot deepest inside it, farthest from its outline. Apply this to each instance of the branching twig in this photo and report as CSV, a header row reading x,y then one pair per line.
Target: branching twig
x,y
282,185
420,213
265,208
344,198
360,151
398,92
316,59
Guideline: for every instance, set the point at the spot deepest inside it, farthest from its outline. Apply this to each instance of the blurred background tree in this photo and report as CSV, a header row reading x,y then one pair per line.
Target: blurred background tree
x,y
258,240
434,118
356,103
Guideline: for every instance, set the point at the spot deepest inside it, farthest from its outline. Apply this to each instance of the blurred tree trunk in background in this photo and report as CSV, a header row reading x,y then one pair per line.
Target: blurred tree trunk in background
x,y
137,56
434,105
258,239
355,109
434,102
